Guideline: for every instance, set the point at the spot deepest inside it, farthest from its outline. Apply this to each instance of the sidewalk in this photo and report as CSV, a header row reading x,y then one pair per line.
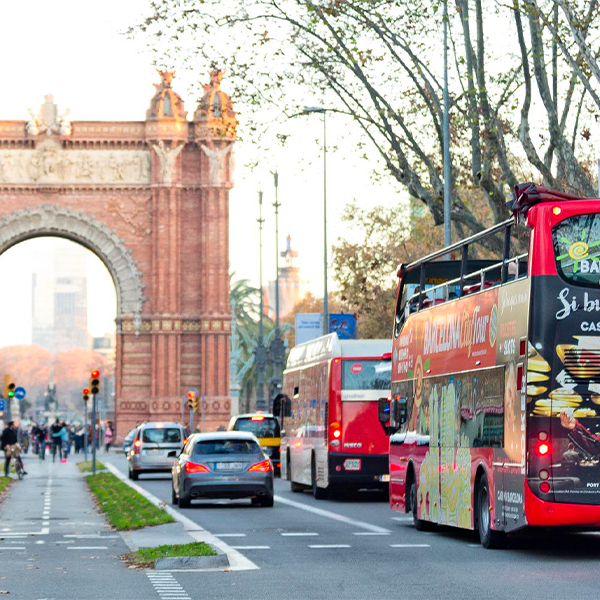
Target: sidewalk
x,y
55,545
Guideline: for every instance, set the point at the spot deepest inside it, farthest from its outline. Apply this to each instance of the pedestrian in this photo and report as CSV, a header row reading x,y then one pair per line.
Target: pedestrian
x,y
55,440
108,438
41,438
63,440
8,438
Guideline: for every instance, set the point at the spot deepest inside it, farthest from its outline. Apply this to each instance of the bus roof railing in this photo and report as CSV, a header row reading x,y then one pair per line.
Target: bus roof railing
x,y
477,237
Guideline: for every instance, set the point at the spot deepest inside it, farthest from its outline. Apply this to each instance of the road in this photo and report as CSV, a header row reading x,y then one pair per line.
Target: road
x,y
357,548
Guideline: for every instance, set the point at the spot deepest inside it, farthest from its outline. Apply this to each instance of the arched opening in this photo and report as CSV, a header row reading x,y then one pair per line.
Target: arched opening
x,y
57,324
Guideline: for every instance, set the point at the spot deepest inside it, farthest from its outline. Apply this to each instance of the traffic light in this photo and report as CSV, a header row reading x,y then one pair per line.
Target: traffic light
x,y
9,387
95,382
192,402
86,394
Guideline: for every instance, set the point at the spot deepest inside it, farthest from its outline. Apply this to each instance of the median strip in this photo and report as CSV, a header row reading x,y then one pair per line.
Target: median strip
x,y
123,506
85,466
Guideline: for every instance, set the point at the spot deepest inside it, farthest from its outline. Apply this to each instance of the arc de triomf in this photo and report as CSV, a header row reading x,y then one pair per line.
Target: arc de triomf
x,y
151,200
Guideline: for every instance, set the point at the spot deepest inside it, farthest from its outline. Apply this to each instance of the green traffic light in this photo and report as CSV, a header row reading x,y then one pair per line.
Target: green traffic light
x,y
11,394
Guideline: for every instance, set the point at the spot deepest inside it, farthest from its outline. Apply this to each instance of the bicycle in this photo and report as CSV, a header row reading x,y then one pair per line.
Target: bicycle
x,y
15,452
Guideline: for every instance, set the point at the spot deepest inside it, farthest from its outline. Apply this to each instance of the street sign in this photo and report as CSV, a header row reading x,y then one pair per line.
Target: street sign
x,y
344,325
2,407
308,327
20,393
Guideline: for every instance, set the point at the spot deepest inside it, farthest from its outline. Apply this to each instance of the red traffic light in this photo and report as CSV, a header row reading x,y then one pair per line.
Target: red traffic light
x,y
86,391
95,374
191,395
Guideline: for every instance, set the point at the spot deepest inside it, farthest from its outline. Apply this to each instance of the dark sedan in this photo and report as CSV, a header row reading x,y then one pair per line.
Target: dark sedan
x,y
227,464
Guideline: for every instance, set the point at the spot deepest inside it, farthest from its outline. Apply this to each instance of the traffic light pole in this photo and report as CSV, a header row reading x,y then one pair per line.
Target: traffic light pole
x,y
85,430
94,434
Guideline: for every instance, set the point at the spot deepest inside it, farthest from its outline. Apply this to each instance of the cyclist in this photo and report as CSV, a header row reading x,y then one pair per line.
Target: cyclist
x,y
9,437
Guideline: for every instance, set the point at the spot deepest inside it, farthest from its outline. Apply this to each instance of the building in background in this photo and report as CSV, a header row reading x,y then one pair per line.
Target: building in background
x,y
59,302
291,288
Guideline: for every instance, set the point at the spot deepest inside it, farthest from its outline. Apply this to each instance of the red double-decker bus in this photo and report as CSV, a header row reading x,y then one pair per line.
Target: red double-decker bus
x,y
331,438
495,399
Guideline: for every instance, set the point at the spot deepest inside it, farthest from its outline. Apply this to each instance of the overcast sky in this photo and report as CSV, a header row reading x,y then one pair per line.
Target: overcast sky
x,y
74,50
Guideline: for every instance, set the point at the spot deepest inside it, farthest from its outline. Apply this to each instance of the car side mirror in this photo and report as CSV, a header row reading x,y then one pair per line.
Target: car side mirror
x,y
383,410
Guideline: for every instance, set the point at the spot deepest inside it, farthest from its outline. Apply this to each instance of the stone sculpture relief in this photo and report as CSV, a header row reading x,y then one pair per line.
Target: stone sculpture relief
x,y
48,121
216,164
167,158
50,163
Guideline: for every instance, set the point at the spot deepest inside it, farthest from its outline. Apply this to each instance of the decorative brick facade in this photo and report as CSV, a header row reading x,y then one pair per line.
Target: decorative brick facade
x,y
151,200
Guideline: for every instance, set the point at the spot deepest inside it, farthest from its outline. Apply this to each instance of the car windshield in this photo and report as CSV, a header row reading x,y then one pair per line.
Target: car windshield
x,y
226,447
261,427
130,435
167,435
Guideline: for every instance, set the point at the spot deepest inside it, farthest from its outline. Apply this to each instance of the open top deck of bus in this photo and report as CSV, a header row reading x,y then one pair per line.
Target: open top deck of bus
x,y
330,346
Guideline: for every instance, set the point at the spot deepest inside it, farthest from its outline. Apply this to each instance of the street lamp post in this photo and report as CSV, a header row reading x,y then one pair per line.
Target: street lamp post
x,y
276,348
260,353
323,111
446,136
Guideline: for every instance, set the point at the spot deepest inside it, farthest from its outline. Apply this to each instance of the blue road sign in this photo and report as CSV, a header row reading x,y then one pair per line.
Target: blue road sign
x,y
344,325
2,405
20,393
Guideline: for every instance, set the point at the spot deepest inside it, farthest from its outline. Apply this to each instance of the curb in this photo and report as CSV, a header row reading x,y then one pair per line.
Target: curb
x,y
191,562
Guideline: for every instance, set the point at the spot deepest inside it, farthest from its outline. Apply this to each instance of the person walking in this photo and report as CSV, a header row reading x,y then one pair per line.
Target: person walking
x,y
55,440
63,438
41,439
108,437
8,438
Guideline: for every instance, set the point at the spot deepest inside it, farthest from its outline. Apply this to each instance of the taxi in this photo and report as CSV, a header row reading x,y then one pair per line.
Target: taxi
x,y
265,427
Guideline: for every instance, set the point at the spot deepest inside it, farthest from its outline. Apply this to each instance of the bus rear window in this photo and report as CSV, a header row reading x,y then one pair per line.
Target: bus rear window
x,y
366,374
577,249
265,427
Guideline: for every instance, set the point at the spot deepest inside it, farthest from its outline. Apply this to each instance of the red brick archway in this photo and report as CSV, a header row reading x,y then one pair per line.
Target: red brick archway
x,y
150,198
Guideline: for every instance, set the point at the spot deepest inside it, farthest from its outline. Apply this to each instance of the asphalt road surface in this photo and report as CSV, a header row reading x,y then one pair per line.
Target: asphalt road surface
x,y
356,548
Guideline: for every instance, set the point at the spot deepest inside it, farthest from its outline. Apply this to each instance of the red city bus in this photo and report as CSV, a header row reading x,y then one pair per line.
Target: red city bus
x,y
331,438
495,400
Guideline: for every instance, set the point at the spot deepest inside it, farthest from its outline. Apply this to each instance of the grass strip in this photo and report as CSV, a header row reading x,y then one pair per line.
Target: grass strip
x,y
147,556
4,483
124,507
85,466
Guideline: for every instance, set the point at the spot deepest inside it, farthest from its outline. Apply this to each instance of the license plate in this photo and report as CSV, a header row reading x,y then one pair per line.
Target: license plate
x,y
385,477
352,464
228,466
155,452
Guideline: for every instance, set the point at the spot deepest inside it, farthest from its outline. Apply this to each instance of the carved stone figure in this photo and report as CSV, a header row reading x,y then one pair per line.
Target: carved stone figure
x,y
48,120
167,158
216,163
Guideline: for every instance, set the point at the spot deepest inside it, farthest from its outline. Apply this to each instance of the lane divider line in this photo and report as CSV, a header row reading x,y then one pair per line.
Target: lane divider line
x,y
252,547
237,561
331,515
371,533
410,546
330,546
299,534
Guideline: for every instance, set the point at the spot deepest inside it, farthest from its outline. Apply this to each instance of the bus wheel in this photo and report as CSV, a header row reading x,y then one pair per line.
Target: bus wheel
x,y
489,538
318,492
420,524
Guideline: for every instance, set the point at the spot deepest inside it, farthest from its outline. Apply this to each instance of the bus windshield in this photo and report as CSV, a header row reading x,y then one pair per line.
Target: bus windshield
x,y
261,427
366,374
576,243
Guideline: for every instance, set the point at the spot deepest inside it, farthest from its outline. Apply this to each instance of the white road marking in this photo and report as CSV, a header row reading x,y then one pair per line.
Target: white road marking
x,y
299,534
90,536
230,535
331,515
410,546
237,561
474,545
87,548
13,548
252,547
370,533
167,587
402,519
330,546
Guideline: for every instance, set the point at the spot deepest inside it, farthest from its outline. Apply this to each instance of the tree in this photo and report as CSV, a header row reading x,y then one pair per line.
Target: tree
x,y
245,306
29,366
377,62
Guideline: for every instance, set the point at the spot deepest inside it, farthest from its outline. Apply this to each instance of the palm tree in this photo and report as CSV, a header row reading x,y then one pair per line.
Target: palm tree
x,y
245,308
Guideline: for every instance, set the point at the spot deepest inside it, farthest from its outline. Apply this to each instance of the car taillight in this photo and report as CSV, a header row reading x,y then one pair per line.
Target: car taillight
x,y
191,467
136,446
544,487
261,467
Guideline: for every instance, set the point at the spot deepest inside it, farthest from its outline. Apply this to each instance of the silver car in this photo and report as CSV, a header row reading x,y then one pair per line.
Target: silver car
x,y
228,464
155,448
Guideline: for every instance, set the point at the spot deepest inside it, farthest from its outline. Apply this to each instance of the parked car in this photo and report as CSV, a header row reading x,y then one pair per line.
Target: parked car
x,y
155,448
266,428
128,442
228,464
